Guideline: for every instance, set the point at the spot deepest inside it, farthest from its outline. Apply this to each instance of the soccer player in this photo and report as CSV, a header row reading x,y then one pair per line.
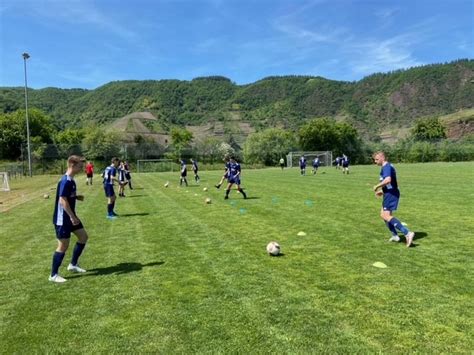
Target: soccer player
x,y
122,180
110,175
303,165
183,172
345,164
337,161
391,196
126,167
282,163
226,172
66,221
316,164
195,170
234,178
89,172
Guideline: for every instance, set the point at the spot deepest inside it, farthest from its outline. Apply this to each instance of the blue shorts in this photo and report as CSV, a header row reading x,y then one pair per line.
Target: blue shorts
x,y
109,190
64,232
234,180
390,202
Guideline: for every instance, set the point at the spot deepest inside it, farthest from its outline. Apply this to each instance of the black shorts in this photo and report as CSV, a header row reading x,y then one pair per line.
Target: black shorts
x,y
64,232
89,175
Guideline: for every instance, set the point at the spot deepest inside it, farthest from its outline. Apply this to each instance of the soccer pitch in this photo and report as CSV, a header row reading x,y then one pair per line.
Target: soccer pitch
x,y
174,274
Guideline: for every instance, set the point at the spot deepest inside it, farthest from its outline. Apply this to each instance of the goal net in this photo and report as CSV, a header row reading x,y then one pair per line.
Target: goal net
x,y
325,158
4,179
156,165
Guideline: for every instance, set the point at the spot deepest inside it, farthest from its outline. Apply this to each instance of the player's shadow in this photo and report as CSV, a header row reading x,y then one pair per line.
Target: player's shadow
x,y
253,198
130,196
119,269
134,214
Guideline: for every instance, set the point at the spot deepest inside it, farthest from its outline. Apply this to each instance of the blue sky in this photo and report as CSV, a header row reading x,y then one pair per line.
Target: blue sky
x,y
88,43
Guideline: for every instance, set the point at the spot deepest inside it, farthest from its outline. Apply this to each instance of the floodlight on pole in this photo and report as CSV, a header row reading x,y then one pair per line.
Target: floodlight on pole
x,y
25,57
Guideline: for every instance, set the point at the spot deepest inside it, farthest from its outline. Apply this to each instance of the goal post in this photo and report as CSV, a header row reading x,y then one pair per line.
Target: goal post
x,y
325,157
155,165
4,179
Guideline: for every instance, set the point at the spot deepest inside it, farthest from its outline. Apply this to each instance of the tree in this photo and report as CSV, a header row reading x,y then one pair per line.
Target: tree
x,y
318,134
181,138
13,131
268,146
99,144
428,129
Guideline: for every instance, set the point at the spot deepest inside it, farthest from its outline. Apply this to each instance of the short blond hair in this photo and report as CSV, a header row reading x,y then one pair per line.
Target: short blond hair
x,y
379,153
75,160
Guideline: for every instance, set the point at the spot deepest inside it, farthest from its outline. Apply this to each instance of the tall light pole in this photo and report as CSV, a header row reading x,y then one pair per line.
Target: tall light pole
x,y
25,57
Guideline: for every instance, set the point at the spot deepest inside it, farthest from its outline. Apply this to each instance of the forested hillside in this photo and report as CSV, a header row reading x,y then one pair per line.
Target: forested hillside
x,y
382,100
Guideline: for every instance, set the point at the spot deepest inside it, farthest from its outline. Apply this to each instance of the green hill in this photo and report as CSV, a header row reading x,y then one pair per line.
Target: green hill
x,y
376,104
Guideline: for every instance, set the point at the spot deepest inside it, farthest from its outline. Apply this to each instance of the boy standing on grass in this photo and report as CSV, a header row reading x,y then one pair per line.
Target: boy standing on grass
x,y
89,172
195,170
110,175
66,221
391,196
226,172
303,165
183,173
234,178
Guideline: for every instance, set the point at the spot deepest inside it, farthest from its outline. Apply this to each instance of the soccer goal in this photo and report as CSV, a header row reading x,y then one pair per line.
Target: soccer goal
x,y
156,165
325,158
4,179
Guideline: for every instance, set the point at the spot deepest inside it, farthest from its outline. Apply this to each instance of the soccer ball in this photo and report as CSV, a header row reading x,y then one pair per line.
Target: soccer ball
x,y
204,189
208,200
167,184
45,196
273,248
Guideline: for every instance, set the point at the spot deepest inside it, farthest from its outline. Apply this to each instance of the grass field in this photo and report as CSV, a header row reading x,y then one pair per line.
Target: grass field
x,y
173,274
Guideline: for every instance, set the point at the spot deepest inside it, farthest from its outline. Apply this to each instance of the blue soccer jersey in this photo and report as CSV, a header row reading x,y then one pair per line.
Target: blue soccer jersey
x,y
392,188
110,171
67,189
316,162
195,166
302,162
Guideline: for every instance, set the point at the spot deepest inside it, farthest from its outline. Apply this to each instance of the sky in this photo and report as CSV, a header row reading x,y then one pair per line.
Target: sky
x,y
88,43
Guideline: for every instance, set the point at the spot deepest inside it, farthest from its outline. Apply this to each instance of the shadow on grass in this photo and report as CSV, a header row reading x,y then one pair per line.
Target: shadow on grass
x,y
134,214
119,269
130,196
277,256
253,198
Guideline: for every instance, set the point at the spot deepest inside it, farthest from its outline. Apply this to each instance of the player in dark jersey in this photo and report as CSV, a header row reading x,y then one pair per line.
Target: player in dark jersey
x,y
345,164
122,179
128,176
195,170
391,195
66,221
183,173
302,165
234,178
226,172
110,175
316,164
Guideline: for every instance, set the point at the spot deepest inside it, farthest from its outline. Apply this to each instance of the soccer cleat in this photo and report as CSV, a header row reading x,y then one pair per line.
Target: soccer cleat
x,y
409,237
226,197
217,186
111,216
394,238
56,278
75,268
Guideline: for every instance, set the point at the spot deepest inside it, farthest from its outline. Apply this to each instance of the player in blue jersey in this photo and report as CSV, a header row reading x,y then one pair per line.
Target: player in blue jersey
x,y
183,173
234,178
66,221
391,195
316,164
337,161
226,172
302,165
110,175
195,170
345,164
122,178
